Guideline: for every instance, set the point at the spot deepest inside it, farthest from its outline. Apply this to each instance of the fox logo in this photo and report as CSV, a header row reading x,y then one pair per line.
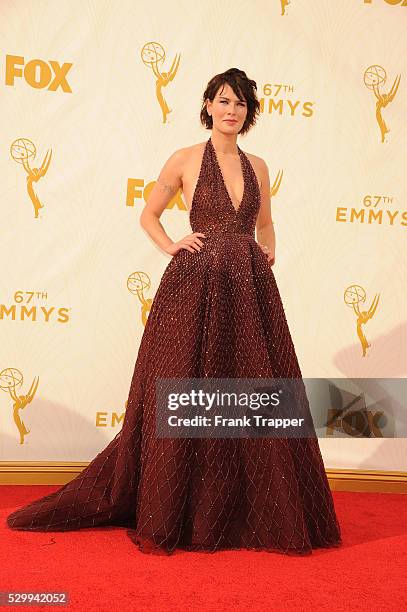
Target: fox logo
x,y
38,73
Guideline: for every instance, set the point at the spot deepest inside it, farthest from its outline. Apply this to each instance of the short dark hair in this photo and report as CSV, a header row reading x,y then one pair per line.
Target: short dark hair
x,y
244,88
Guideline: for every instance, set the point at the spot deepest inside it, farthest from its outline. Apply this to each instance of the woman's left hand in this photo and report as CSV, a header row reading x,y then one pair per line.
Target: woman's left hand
x,y
270,255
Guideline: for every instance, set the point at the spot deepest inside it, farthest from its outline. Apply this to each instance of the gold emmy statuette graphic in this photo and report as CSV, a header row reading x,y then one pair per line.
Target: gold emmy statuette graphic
x,y
137,283
374,77
284,4
353,296
21,151
152,54
10,378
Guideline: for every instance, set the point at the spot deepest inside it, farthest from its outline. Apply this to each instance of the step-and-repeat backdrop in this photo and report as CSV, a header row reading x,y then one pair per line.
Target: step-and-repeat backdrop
x,y
94,97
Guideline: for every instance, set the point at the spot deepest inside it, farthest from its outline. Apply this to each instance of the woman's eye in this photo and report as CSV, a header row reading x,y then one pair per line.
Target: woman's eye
x,y
225,102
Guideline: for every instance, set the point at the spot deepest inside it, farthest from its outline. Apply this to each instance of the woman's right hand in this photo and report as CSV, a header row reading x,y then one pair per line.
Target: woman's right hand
x,y
191,243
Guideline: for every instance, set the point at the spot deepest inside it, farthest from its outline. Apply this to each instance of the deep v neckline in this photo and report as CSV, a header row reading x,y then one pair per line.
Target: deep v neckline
x,y
236,210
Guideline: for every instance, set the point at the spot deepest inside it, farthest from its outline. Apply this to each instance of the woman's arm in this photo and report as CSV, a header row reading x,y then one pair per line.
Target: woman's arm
x,y
264,224
167,185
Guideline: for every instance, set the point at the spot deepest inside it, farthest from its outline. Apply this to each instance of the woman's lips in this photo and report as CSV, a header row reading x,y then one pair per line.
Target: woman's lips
x,y
230,121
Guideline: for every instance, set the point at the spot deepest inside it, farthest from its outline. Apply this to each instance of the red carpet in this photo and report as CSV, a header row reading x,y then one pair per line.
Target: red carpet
x,y
102,570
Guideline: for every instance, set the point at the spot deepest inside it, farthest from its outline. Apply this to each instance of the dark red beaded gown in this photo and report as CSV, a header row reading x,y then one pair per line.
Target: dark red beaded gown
x,y
216,313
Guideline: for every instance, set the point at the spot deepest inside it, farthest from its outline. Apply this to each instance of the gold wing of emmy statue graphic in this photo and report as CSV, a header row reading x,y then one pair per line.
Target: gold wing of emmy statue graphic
x,y
22,149
10,379
353,296
284,4
276,185
374,77
137,283
152,54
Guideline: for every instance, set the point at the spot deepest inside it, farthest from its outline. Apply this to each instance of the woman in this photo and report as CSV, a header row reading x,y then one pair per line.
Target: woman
x,y
217,313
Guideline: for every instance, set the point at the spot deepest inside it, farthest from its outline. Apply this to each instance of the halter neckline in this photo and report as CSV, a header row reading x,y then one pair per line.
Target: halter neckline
x,y
236,210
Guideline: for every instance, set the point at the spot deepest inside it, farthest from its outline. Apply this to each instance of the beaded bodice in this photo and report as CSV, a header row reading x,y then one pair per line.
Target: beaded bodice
x,y
212,210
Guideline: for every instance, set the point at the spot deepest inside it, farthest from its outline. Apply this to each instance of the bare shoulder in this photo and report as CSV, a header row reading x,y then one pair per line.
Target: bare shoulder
x,y
179,170
194,149
177,161
259,166
185,155
188,160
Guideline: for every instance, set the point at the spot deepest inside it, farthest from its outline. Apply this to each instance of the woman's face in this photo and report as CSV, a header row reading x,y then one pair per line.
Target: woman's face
x,y
228,112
